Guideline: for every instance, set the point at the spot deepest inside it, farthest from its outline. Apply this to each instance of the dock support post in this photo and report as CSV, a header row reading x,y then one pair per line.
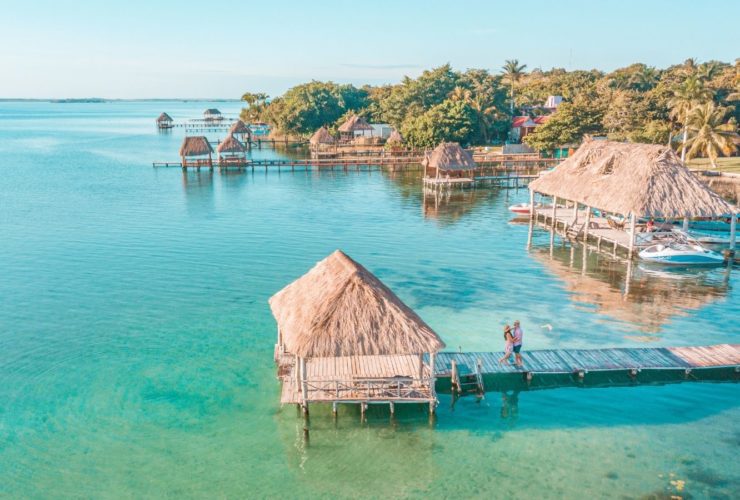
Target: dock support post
x,y
531,204
392,407
632,235
685,226
554,209
334,409
733,232
588,222
575,212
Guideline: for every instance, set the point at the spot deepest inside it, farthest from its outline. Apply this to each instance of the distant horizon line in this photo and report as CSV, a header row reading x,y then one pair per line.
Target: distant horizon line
x,y
92,100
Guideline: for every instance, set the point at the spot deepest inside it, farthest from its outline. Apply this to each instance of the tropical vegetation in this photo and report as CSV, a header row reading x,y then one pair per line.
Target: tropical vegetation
x,y
692,106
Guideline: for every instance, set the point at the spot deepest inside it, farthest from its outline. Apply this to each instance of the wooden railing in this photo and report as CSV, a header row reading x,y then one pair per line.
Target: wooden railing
x,y
365,389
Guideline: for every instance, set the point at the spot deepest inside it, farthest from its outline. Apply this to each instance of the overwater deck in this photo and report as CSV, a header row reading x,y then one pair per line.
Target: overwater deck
x,y
582,361
403,379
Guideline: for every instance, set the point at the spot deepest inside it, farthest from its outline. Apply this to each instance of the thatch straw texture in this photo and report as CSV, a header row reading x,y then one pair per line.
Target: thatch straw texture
x,y
449,156
164,117
355,122
395,138
231,145
339,308
239,127
195,146
642,179
322,136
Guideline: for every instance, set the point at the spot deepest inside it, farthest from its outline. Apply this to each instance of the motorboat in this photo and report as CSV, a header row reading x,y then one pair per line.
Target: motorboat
x,y
522,208
683,254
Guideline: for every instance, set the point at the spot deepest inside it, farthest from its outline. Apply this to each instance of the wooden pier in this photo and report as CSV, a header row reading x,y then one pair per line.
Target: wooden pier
x,y
393,379
580,362
307,164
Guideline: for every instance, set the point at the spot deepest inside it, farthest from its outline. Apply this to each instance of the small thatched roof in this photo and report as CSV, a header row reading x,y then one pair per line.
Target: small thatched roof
x,y
195,146
355,122
339,308
395,137
239,127
643,179
449,156
211,112
231,145
164,117
322,136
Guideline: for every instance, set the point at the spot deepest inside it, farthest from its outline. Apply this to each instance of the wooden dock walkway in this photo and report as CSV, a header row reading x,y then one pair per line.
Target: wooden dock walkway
x,y
582,361
307,164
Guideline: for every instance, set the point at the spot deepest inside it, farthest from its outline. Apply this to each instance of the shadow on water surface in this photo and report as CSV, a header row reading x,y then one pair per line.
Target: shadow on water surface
x,y
642,296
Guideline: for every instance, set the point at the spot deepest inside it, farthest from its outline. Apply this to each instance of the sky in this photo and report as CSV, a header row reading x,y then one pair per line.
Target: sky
x,y
183,49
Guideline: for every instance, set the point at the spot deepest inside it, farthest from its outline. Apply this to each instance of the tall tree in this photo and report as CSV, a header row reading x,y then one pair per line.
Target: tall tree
x,y
712,135
513,72
685,98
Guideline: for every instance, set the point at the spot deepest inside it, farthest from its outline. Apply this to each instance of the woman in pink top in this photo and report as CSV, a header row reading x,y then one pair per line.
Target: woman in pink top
x,y
509,338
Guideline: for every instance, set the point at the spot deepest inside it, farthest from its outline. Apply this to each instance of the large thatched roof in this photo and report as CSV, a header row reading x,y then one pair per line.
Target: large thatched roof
x,y
195,146
643,179
339,308
322,136
395,137
231,145
355,122
449,156
239,127
164,117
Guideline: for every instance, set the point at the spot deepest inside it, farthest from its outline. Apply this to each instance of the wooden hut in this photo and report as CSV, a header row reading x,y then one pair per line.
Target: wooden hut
x,y
231,152
355,126
196,151
449,162
395,138
321,137
631,180
240,130
165,121
345,337
212,114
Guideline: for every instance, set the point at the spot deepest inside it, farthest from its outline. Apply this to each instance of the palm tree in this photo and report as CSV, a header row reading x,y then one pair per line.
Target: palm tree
x,y
689,66
513,72
708,70
644,79
484,110
685,98
711,134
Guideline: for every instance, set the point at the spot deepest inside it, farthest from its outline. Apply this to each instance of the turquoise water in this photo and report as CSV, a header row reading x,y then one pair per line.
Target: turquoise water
x,y
136,341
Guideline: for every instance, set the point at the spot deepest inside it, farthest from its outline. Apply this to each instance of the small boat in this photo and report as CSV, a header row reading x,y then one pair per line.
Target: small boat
x,y
521,208
682,254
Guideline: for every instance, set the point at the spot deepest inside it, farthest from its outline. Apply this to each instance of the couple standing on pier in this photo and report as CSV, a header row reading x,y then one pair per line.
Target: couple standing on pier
x,y
513,340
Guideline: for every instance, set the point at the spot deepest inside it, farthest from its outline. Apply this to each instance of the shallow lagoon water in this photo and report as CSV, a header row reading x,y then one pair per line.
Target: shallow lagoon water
x,y
136,341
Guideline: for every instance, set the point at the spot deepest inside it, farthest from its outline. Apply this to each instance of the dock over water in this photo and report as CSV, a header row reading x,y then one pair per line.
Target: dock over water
x,y
394,379
582,361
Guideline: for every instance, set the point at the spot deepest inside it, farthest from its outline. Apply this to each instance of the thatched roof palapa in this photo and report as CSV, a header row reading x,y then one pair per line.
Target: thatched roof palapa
x,y
395,137
449,156
212,112
339,308
239,127
195,146
164,117
643,179
322,136
231,145
355,122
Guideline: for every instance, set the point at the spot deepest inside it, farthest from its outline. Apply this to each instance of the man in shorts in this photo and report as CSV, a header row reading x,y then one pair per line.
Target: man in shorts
x,y
518,335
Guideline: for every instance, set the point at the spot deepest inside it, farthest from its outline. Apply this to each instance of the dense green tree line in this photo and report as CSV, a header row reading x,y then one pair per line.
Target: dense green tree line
x,y
690,105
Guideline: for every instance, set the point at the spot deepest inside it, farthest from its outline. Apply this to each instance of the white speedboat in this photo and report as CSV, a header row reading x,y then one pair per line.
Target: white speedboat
x,y
682,254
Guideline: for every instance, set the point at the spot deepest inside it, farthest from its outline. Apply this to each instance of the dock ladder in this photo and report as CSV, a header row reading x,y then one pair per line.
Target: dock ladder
x,y
465,381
